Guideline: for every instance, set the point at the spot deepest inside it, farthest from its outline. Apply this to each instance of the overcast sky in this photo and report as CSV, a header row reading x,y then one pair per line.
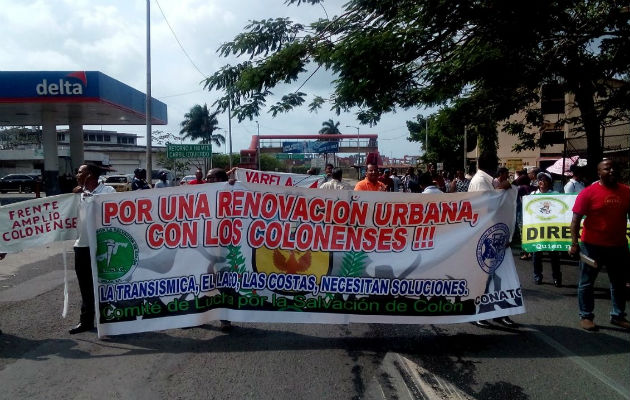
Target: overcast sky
x,y
110,36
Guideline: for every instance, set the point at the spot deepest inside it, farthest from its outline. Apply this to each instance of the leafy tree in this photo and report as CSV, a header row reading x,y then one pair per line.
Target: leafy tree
x,y
445,135
14,136
269,163
199,124
488,59
330,128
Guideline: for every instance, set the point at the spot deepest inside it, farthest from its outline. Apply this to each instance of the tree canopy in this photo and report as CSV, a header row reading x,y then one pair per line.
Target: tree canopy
x,y
199,124
330,127
486,59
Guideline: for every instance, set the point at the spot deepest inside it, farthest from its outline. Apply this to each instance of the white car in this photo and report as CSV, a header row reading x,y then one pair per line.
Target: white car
x,y
122,182
187,179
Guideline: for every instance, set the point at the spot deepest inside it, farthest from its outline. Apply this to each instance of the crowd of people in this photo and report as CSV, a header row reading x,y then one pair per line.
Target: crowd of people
x,y
605,204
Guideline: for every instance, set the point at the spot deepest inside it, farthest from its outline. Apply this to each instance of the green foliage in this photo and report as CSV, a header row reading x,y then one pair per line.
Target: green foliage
x,y
223,160
199,124
330,127
268,162
485,59
177,166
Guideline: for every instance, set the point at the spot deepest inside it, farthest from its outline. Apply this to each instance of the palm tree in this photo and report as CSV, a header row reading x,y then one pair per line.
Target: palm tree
x,y
199,123
330,127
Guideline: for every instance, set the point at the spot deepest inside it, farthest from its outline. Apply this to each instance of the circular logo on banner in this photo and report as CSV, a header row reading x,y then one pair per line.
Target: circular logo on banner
x,y
546,208
491,247
116,253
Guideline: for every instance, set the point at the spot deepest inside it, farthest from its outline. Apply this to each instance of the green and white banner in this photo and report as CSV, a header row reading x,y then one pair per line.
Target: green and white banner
x,y
547,222
188,255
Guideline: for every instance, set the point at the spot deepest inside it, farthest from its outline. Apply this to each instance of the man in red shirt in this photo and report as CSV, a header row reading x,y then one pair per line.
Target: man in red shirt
x,y
606,205
371,183
198,178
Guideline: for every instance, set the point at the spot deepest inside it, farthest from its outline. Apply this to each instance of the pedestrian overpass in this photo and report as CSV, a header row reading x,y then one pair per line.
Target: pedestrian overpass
x,y
361,145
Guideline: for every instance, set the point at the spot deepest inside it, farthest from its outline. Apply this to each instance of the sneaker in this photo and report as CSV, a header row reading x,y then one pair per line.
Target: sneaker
x,y
506,321
482,324
557,283
588,325
620,322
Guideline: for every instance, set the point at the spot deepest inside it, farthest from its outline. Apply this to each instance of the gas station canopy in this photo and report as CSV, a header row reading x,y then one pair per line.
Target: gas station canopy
x,y
87,97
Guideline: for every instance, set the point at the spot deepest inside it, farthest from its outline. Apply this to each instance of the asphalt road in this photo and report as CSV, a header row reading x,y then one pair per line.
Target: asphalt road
x,y
549,357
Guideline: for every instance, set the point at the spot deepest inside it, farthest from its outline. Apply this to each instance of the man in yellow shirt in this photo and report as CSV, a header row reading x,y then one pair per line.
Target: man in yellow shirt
x,y
371,183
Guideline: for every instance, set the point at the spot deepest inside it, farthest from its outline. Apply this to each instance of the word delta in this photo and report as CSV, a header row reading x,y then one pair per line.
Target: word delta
x,y
62,88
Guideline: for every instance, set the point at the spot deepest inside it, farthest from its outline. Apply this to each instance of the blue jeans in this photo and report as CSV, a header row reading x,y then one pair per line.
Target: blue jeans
x,y
616,260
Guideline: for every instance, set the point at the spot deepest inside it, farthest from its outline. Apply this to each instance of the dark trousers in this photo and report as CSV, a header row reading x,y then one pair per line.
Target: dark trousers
x,y
555,265
83,268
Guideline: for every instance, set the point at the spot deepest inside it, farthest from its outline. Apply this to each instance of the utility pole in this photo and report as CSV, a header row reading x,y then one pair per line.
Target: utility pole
x,y
358,151
149,155
230,128
258,141
465,147
426,137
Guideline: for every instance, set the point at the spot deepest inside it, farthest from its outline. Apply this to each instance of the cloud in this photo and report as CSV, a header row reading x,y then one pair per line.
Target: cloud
x,y
109,36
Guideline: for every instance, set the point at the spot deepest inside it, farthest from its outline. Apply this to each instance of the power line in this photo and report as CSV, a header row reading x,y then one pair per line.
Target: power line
x,y
177,40
180,94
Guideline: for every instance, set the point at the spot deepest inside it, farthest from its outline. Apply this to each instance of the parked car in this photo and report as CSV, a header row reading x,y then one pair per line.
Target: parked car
x,y
122,182
17,183
187,179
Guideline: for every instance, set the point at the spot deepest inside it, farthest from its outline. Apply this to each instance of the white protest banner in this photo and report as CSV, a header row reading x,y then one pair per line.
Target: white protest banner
x,y
37,222
278,178
547,222
188,255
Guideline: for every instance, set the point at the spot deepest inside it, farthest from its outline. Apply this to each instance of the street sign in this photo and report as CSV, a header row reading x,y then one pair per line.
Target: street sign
x,y
188,150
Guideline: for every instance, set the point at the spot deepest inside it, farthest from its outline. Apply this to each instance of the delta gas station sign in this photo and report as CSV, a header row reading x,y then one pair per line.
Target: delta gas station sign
x,y
73,98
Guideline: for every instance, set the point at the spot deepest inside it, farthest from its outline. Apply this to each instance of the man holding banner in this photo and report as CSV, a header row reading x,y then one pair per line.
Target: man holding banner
x,y
87,177
606,205
482,181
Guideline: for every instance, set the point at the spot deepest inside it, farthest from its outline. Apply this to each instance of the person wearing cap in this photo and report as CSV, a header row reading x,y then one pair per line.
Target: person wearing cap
x,y
87,178
162,183
139,180
606,206
544,187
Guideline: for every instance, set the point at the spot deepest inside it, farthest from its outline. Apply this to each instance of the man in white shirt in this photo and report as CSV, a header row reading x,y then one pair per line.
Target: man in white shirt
x,y
481,181
335,182
87,178
428,185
